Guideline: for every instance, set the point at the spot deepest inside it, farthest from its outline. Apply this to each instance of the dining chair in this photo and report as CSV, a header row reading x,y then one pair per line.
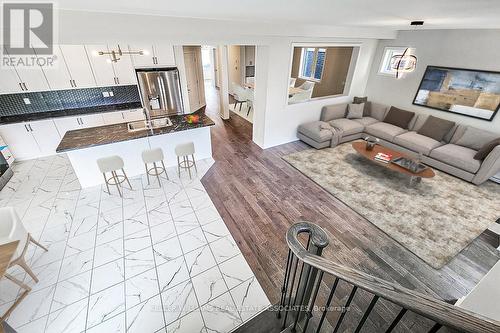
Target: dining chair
x,y
239,94
12,229
309,87
250,99
292,81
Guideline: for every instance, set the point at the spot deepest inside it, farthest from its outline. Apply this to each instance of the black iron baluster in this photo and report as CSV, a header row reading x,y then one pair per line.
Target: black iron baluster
x,y
435,328
284,289
367,313
313,300
396,320
346,306
323,315
302,296
287,309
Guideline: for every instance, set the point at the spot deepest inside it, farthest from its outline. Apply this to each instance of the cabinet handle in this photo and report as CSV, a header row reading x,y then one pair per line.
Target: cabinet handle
x,y
24,85
78,121
74,83
21,86
71,83
117,80
26,127
81,121
29,126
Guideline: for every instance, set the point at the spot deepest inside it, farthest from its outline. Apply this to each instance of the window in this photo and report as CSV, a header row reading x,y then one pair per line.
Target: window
x,y
387,60
312,61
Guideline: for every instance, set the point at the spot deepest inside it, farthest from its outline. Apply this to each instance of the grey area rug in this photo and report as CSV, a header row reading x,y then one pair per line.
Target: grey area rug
x,y
435,219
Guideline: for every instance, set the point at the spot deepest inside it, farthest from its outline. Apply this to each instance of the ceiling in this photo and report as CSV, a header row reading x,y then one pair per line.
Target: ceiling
x,y
393,14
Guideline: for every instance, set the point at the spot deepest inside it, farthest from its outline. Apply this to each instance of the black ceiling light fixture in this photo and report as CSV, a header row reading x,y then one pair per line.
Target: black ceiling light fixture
x,y
407,61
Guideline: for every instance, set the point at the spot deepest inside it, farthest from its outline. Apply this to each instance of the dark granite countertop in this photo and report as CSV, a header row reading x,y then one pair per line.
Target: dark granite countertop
x,y
68,112
103,135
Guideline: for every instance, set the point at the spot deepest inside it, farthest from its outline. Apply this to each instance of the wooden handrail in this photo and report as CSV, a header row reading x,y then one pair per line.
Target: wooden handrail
x,y
427,306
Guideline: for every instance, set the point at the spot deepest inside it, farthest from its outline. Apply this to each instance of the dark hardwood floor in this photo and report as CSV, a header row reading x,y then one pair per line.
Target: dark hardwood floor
x,y
260,196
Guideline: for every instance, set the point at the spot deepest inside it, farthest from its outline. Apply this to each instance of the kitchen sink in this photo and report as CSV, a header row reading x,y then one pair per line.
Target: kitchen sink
x,y
142,125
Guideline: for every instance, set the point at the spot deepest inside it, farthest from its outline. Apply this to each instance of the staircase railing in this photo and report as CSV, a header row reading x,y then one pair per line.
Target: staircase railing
x,y
300,292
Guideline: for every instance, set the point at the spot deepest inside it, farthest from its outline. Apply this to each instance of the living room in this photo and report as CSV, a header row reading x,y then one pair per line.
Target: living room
x,y
208,236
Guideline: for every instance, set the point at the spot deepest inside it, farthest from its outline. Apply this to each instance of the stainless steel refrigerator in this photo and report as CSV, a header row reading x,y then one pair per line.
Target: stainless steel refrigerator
x,y
160,91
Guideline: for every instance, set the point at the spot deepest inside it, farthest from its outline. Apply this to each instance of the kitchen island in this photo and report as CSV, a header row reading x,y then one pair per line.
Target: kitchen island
x,y
84,146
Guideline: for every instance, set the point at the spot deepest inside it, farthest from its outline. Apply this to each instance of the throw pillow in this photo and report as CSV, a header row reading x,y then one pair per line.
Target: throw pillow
x,y
475,138
486,149
355,111
398,117
359,100
331,112
436,128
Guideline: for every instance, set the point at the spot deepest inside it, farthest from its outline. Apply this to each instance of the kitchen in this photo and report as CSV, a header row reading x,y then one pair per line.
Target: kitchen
x,y
100,100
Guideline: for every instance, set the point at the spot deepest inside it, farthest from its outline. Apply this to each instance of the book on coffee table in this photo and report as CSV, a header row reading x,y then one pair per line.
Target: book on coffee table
x,y
383,157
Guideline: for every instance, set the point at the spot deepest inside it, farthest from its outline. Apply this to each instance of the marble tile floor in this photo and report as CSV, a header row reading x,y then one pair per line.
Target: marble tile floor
x,y
160,259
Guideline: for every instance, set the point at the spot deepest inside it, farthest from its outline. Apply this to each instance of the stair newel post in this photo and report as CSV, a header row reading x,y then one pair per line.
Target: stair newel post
x,y
317,241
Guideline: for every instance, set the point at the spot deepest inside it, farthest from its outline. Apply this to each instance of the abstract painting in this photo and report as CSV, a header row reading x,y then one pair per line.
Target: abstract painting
x,y
468,92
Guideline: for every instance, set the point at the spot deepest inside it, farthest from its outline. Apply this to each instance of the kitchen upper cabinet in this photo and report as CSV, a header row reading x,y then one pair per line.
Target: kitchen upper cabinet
x,y
145,60
164,54
58,76
9,81
28,78
101,65
124,70
78,65
31,139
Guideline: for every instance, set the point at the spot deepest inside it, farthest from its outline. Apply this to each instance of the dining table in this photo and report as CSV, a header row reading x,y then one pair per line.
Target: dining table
x,y
7,251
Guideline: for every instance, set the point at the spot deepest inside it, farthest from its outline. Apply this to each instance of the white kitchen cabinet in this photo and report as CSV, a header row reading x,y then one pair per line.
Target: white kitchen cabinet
x,y
10,81
65,124
21,142
58,75
124,70
101,65
133,115
46,136
164,54
145,60
78,64
115,117
31,139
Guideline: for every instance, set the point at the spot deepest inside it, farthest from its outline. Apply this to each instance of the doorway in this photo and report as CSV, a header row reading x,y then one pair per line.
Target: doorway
x,y
241,79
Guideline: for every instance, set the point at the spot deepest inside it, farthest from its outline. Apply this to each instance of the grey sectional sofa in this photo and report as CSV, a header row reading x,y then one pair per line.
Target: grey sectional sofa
x,y
447,155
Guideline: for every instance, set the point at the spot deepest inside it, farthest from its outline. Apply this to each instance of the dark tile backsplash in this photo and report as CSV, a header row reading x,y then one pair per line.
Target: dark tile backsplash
x,y
47,101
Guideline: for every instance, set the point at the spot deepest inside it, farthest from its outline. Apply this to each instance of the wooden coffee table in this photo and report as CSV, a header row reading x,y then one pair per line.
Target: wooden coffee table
x,y
360,147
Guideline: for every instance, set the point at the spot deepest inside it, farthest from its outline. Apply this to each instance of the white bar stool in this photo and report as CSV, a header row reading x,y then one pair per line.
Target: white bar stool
x,y
185,150
12,229
152,156
112,164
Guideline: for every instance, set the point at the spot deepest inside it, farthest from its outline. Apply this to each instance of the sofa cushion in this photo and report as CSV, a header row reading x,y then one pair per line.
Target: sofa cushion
x,y
486,149
366,121
331,112
347,126
417,142
398,117
384,131
355,111
436,128
378,111
457,156
475,138
318,131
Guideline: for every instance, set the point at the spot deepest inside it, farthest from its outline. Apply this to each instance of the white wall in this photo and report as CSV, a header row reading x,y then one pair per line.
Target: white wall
x,y
281,119
476,49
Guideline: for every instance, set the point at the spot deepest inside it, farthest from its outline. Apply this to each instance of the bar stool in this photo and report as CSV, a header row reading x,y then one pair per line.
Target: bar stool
x,y
152,156
185,150
112,164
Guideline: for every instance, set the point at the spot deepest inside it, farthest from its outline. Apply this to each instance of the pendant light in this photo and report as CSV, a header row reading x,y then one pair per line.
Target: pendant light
x,y
406,62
